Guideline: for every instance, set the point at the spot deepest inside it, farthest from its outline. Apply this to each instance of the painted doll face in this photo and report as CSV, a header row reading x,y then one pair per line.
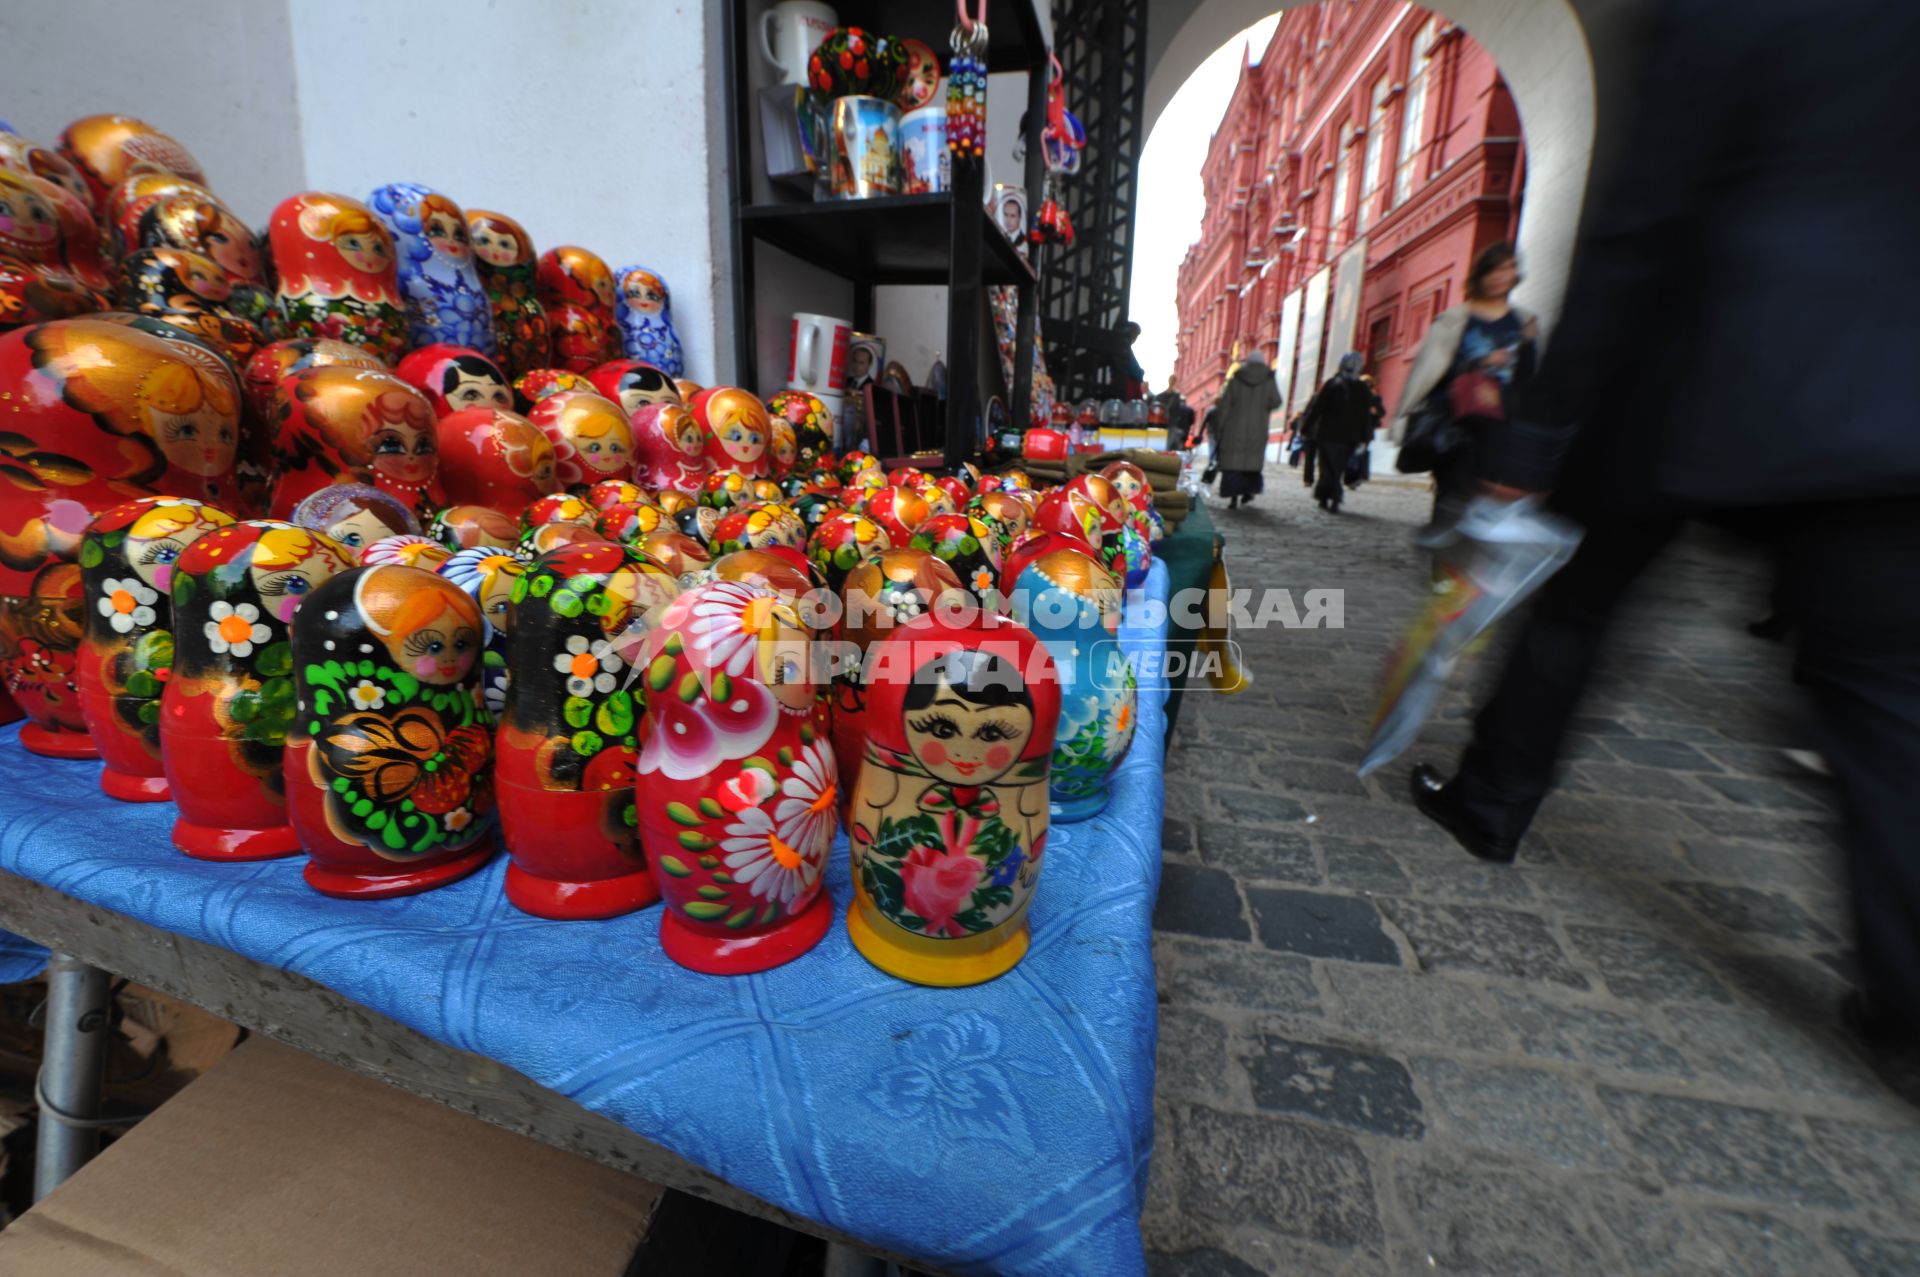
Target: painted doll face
x,y
358,527
466,387
643,293
605,445
231,247
202,441
784,667
784,447
494,246
681,430
440,650
155,541
496,589
367,251
966,743
1127,485
28,223
600,280
401,441
284,585
447,234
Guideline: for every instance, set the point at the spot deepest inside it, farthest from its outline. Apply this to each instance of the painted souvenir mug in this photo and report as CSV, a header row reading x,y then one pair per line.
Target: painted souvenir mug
x,y
925,165
817,359
789,33
866,148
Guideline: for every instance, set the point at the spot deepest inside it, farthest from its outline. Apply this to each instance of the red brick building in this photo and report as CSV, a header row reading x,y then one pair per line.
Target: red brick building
x,y
1370,128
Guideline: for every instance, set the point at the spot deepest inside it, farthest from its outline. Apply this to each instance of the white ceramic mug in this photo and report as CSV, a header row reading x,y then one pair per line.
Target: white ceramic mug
x,y
818,359
789,33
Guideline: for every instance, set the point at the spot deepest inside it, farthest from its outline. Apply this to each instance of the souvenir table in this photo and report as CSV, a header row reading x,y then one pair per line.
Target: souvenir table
x,y
1002,1128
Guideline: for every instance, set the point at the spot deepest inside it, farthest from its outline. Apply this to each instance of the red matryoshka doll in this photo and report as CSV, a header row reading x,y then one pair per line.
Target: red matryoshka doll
x,y
569,740
967,545
737,789
907,477
108,149
1005,516
455,377
576,287
355,515
560,507
42,254
1125,541
947,825
590,435
877,597
259,380
760,525
669,449
349,424
531,387
628,521
812,427
390,769
1071,513
503,254
1130,481
97,411
488,574
229,705
336,276
493,458
193,224
688,388
633,384
938,500
608,493
126,566
23,155
192,293
958,491
675,552
842,542
735,428
900,511
468,527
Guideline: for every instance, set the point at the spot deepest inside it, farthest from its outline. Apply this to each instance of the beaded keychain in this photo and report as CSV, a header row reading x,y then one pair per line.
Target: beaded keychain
x,y
967,86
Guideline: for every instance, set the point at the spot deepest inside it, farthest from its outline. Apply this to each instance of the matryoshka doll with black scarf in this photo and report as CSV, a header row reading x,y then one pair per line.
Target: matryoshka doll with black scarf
x,y
349,425
390,770
229,704
737,789
192,293
335,274
126,566
948,822
569,739
503,254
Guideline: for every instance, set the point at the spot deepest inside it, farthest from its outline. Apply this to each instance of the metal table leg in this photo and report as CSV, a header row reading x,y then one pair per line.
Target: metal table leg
x,y
844,1261
72,1067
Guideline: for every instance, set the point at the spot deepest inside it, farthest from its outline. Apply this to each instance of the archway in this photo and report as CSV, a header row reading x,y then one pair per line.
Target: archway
x,y
1541,49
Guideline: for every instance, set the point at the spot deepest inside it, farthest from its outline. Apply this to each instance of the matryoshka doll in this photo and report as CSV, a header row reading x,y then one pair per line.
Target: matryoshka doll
x,y
968,546
335,273
259,380
192,293
206,226
628,521
354,425
812,427
107,149
560,507
645,316
842,542
438,283
406,551
674,551
126,567
608,493
355,515
455,377
95,412
590,435
900,511
127,206
1005,516
948,823
633,384
735,429
390,768
41,252
488,574
879,595
1058,587
576,287
759,525
468,527
737,785
493,458
503,254
922,79
669,450
548,537
23,155
569,740
531,387
229,705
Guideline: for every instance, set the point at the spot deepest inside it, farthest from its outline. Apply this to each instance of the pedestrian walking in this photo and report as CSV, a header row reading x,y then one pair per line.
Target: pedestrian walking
x,y
1240,428
1340,418
1782,392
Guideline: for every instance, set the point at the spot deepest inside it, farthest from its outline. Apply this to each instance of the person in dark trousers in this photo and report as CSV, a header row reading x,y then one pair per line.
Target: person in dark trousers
x,y
1704,367
1240,428
1339,419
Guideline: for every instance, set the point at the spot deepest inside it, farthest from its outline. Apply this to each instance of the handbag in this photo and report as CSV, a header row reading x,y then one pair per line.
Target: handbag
x,y
1432,433
1475,394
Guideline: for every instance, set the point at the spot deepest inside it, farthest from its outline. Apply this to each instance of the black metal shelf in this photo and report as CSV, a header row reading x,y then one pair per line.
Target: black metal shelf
x,y
894,239
1015,41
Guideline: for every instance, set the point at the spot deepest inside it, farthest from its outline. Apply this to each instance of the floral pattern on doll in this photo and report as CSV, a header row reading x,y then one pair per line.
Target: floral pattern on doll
x,y
645,316
444,298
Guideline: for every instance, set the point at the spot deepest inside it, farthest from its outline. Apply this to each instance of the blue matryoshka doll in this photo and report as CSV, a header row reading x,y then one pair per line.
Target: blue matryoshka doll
x,y
646,319
438,279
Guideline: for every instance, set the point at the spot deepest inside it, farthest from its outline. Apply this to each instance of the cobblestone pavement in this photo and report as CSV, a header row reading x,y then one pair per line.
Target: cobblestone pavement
x,y
1380,1056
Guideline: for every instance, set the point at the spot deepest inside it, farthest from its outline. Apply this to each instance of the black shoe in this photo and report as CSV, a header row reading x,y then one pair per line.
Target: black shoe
x,y
1433,795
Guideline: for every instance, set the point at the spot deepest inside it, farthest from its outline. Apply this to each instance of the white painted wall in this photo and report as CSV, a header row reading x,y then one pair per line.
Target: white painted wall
x,y
214,74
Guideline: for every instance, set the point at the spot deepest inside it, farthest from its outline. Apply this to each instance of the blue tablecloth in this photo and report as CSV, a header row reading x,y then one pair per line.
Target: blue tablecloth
x,y
999,1129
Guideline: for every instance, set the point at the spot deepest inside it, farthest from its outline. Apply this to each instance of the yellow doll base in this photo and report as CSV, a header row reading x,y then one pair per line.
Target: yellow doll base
x,y
925,960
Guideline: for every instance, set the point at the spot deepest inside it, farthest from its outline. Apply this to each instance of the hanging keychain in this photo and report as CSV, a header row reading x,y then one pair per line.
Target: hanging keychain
x,y
967,86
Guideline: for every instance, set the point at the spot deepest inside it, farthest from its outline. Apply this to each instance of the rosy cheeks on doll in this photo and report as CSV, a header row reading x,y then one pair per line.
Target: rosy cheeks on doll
x,y
440,656
365,252
741,443
404,453
447,236
154,563
200,443
283,592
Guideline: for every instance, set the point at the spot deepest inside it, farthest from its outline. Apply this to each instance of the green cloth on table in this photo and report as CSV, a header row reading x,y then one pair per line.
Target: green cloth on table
x,y
1189,553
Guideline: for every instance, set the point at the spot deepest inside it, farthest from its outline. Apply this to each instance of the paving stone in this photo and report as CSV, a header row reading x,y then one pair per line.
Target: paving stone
x,y
1645,967
1656,1238
1321,925
1872,1256
1414,1009
1251,853
1750,863
1235,805
1588,1035
1474,1219
1644,783
1355,1089
1606,854
1503,942
1240,976
1669,754
1205,1262
1318,779
1750,911
1722,1148
1393,823
1454,875
1199,901
1766,1050
1176,837
1764,793
1802,989
1768,826
1522,1112
1192,1056
1877,1163
1579,894
1362,866
1292,1178
1594,726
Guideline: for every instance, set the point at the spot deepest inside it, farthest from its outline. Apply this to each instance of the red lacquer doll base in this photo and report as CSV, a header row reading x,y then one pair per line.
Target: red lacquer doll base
x,y
207,842
579,901
54,743
129,788
348,885
9,712
724,954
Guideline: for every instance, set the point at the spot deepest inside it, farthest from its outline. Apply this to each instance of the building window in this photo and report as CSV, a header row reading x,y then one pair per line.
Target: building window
x,y
1342,177
1413,117
1370,175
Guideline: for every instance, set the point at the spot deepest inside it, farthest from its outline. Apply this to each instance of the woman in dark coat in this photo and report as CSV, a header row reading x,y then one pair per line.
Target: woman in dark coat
x,y
1240,428
1339,420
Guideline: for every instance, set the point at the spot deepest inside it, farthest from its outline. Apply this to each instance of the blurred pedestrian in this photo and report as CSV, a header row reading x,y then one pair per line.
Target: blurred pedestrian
x,y
1240,428
1340,418
1703,367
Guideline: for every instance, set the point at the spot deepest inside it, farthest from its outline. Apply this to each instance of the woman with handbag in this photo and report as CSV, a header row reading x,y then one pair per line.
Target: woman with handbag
x,y
1463,377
